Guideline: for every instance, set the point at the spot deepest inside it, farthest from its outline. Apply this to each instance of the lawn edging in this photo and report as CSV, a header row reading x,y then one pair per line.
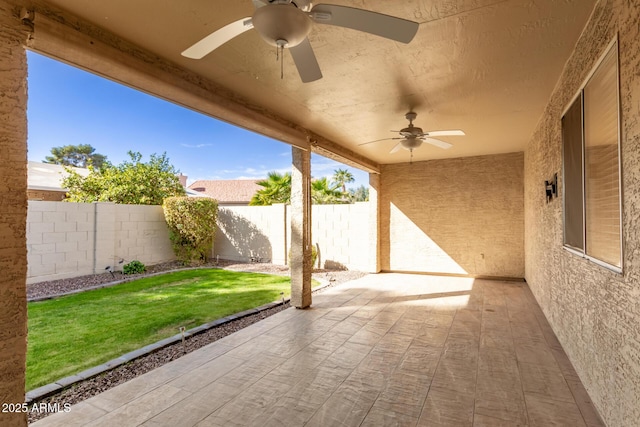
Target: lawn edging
x,y
66,382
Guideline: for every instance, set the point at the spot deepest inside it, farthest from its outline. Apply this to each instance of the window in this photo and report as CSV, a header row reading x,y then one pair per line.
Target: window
x,y
591,167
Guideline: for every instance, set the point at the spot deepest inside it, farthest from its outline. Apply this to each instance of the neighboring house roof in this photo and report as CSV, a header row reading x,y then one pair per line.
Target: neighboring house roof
x,y
227,191
48,177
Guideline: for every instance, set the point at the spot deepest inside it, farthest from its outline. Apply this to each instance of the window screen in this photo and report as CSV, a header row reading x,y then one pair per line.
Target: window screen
x,y
572,155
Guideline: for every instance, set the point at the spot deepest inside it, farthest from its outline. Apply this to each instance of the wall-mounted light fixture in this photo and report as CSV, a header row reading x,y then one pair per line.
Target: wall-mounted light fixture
x,y
551,188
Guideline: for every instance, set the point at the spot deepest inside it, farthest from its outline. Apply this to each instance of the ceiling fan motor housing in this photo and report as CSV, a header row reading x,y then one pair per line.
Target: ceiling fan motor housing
x,y
411,132
277,22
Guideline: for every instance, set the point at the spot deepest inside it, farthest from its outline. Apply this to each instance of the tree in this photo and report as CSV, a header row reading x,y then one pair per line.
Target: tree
x,y
324,194
131,182
360,194
80,156
275,189
342,177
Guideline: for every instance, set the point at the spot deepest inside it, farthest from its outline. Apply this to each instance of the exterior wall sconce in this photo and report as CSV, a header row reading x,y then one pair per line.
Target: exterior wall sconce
x,y
551,188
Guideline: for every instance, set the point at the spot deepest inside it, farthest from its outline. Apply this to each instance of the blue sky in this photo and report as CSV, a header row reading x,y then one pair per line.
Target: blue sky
x,y
70,106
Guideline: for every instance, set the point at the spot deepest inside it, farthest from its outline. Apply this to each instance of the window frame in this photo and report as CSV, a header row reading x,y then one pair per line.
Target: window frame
x,y
612,46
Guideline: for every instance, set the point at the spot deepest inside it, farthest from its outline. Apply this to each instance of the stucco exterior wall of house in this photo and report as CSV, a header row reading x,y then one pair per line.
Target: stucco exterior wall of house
x,y
44,195
595,312
13,193
456,216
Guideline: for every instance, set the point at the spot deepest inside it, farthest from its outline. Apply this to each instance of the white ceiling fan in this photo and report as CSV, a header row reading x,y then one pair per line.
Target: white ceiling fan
x,y
412,136
286,24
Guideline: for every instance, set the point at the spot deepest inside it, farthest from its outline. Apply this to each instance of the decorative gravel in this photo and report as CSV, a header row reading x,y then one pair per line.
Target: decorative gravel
x,y
93,386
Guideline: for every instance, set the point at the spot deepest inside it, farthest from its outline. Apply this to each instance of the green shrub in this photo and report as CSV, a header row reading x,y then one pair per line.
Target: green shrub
x,y
134,267
192,224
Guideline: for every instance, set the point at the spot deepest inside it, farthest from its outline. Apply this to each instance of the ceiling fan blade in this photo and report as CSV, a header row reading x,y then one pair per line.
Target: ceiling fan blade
x,y
218,38
306,62
378,140
390,27
396,148
456,132
260,3
437,143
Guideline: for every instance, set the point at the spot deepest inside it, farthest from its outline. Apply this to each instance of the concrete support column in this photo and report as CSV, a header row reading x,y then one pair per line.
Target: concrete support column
x,y
300,228
374,223
13,215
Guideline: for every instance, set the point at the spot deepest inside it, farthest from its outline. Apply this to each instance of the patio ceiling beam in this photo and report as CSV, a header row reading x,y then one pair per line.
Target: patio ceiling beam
x,y
78,43
333,151
72,40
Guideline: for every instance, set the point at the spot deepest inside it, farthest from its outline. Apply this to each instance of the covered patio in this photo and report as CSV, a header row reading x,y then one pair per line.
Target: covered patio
x,y
516,76
387,349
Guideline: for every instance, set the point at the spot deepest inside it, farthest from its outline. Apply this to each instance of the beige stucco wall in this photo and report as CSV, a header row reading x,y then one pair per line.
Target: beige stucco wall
x,y
456,216
74,239
52,196
13,193
594,312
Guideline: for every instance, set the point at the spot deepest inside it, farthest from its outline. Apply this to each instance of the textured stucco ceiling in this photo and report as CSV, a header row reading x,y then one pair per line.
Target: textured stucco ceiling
x,y
484,66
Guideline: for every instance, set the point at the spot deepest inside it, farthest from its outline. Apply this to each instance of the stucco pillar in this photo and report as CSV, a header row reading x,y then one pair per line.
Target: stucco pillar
x,y
13,214
374,223
300,228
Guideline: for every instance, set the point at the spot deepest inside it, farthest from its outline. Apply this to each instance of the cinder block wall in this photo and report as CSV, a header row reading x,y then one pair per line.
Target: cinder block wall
x,y
13,193
251,231
60,239
594,312
142,234
341,232
74,239
456,216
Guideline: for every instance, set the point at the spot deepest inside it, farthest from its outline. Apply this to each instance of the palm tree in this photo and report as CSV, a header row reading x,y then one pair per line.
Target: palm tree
x,y
360,194
324,194
342,177
275,189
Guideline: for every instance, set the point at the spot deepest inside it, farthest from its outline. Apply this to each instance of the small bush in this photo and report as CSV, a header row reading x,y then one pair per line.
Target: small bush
x,y
134,267
192,224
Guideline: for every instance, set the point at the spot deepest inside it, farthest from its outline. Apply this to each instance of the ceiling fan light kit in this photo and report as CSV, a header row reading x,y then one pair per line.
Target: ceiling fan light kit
x,y
287,23
282,22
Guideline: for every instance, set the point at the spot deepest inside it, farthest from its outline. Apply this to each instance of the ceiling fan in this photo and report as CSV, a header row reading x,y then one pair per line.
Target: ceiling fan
x,y
412,136
286,24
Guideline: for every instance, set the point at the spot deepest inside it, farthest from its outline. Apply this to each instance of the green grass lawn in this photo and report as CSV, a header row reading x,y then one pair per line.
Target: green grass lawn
x,y
76,332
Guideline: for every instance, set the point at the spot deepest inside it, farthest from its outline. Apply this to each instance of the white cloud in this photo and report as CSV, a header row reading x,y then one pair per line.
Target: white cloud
x,y
196,145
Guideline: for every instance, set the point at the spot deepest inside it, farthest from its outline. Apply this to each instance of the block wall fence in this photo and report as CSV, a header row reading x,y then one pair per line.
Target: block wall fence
x,y
341,233
74,239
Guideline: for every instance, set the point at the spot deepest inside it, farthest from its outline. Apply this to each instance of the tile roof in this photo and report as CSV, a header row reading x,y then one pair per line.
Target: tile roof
x,y
228,190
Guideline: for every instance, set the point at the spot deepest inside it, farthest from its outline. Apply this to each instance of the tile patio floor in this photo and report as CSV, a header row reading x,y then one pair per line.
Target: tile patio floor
x,y
384,350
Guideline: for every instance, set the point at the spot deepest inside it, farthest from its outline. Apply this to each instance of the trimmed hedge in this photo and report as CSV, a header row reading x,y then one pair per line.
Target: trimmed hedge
x,y
192,224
